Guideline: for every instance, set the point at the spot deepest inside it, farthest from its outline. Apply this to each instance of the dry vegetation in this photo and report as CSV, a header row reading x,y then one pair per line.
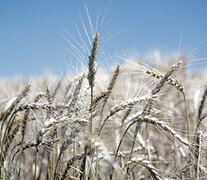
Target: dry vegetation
x,y
145,122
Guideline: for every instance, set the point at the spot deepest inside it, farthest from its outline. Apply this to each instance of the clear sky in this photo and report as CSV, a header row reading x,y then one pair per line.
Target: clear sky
x,y
32,32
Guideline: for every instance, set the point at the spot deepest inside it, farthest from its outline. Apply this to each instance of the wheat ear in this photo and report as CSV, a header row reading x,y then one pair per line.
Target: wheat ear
x,y
173,82
125,104
110,88
198,152
152,170
70,162
91,74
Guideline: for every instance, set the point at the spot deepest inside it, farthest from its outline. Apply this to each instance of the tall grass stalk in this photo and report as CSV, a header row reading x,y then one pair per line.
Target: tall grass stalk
x,y
91,75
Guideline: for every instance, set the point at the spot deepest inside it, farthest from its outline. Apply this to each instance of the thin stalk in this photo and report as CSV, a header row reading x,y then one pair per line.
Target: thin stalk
x,y
187,115
117,150
74,154
199,136
146,140
54,175
120,142
91,118
132,148
53,160
97,161
36,162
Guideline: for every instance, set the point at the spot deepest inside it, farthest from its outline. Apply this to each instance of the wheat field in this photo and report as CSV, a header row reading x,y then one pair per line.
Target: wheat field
x,y
135,121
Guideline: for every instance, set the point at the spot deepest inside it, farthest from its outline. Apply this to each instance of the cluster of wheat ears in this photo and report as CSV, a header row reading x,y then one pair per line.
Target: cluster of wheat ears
x,y
146,122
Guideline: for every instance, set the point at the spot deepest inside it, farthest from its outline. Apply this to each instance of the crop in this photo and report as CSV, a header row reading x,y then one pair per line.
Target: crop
x,y
144,122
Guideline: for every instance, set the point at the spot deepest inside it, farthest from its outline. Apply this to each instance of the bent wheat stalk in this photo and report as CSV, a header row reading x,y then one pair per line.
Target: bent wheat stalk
x,y
125,104
174,82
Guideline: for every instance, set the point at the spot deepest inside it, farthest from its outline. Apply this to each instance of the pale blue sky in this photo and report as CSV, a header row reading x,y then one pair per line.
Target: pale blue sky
x,y
31,41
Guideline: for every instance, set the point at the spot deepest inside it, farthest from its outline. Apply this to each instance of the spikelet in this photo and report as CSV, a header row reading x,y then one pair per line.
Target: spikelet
x,y
172,81
24,123
15,103
91,63
166,76
69,164
105,95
